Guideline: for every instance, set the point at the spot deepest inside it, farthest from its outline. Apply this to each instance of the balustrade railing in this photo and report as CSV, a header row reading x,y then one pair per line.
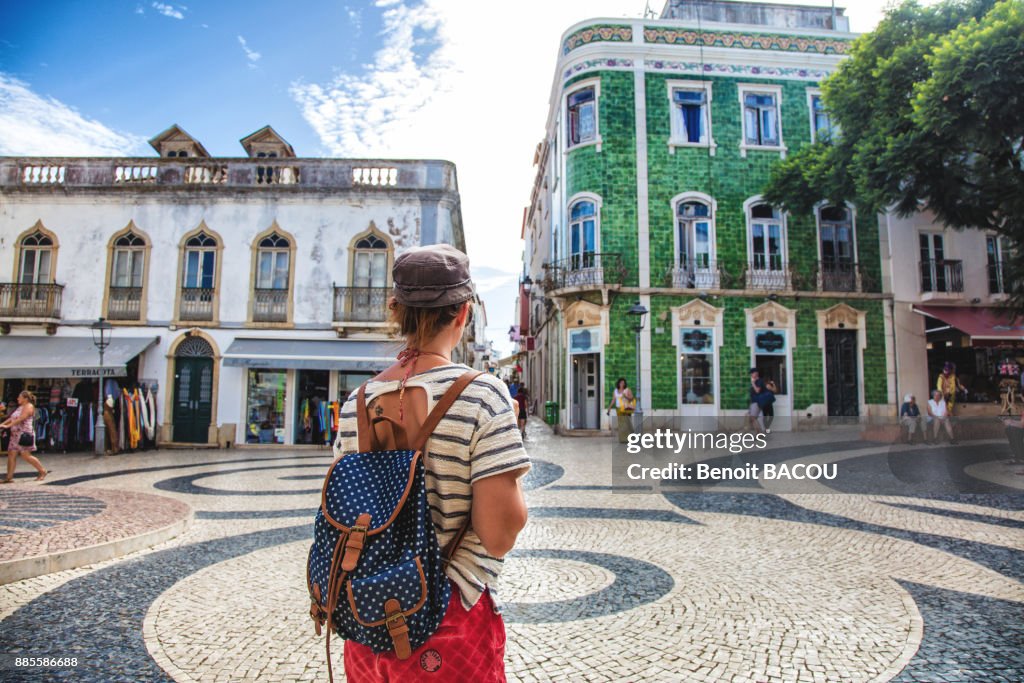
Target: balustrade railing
x,y
24,173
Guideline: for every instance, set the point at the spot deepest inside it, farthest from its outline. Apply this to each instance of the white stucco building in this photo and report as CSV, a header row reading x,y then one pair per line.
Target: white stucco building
x,y
251,291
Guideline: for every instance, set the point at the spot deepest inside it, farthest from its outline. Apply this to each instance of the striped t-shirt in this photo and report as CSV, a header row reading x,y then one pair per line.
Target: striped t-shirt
x,y
477,438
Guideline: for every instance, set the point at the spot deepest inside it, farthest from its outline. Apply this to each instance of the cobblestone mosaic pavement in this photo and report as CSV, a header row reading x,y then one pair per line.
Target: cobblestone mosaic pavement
x,y
730,585
41,520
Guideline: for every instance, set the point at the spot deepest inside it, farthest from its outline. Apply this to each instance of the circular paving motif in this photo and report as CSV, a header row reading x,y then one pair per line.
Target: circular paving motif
x,y
546,579
635,583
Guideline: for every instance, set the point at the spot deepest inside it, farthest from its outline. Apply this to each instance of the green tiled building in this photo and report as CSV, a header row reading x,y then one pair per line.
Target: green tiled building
x,y
660,138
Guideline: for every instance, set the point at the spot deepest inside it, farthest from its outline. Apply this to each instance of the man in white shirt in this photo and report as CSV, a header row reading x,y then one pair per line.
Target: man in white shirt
x,y
938,417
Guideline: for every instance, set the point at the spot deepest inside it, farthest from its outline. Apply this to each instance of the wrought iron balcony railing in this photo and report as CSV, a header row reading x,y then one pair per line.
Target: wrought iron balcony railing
x,y
839,276
196,303
30,300
943,276
361,304
589,270
270,305
696,274
124,303
768,274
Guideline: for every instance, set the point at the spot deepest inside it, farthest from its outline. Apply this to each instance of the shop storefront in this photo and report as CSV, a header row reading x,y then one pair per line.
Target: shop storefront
x,y
985,346
294,388
65,376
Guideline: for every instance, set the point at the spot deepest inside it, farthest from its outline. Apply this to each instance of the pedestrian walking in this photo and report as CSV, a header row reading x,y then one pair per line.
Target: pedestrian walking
x,y
910,418
474,461
522,399
624,404
23,436
754,411
766,402
938,417
948,384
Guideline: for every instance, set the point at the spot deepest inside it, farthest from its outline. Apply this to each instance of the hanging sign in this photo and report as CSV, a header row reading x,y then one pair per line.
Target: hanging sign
x,y
770,342
698,340
584,341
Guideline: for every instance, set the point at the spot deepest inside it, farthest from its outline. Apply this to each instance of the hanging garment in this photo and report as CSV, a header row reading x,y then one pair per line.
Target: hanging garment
x,y
133,426
112,445
122,419
151,414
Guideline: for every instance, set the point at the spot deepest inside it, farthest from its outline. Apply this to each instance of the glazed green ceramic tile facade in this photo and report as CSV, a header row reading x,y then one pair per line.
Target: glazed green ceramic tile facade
x,y
730,179
734,354
611,173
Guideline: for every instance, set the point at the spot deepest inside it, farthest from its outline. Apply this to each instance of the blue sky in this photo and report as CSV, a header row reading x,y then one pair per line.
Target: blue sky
x,y
448,79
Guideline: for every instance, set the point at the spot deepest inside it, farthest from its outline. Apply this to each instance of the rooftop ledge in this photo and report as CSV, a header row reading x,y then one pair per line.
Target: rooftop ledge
x,y
141,173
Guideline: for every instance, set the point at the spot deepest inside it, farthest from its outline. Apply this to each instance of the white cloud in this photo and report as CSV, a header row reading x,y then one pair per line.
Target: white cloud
x,y
250,54
139,9
39,126
169,10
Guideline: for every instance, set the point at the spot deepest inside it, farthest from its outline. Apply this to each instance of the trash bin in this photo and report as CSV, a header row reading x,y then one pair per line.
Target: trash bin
x,y
551,412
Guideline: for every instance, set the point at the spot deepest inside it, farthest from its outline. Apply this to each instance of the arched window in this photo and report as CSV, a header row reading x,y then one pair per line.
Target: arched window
x,y
365,300
766,234
199,277
583,234
838,251
272,282
272,262
127,273
370,262
695,244
36,267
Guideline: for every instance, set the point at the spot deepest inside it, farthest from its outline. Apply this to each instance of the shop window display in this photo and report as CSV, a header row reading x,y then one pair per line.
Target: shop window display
x,y
266,405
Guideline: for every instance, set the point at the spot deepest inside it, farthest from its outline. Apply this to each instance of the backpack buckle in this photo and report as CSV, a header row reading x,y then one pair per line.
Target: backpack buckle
x,y
355,541
398,629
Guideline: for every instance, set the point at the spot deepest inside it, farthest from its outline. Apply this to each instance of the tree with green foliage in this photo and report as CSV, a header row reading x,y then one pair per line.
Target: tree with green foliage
x,y
930,114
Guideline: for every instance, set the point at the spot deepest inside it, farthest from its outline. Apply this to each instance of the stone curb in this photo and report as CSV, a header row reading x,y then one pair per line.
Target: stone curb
x,y
29,567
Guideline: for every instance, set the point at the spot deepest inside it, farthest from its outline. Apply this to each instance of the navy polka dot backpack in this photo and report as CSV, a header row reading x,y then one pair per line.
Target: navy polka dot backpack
x,y
375,571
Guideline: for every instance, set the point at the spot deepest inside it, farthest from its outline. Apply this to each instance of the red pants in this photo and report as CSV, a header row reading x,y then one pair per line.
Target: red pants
x,y
469,646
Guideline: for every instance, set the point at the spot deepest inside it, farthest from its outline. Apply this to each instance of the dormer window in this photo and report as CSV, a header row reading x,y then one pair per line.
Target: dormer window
x,y
175,143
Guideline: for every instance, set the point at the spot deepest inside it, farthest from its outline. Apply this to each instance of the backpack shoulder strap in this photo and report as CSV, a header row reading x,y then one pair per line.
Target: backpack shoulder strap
x,y
362,421
442,406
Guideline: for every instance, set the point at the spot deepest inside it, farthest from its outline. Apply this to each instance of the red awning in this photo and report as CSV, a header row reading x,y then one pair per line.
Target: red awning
x,y
981,324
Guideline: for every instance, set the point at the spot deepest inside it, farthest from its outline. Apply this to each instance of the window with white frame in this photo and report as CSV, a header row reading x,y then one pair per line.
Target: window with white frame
x,y
582,234
36,260
822,127
200,262
766,234
370,263
690,106
762,117
695,244
581,116
129,261
272,262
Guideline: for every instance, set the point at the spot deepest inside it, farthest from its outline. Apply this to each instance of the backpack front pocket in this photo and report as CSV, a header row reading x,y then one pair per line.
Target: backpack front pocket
x,y
404,583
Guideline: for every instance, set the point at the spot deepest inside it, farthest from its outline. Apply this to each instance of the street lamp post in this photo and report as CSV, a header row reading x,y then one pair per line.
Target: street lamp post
x,y
638,311
101,330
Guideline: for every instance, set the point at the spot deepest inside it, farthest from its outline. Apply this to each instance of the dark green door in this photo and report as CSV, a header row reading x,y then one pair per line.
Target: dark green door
x,y
193,399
